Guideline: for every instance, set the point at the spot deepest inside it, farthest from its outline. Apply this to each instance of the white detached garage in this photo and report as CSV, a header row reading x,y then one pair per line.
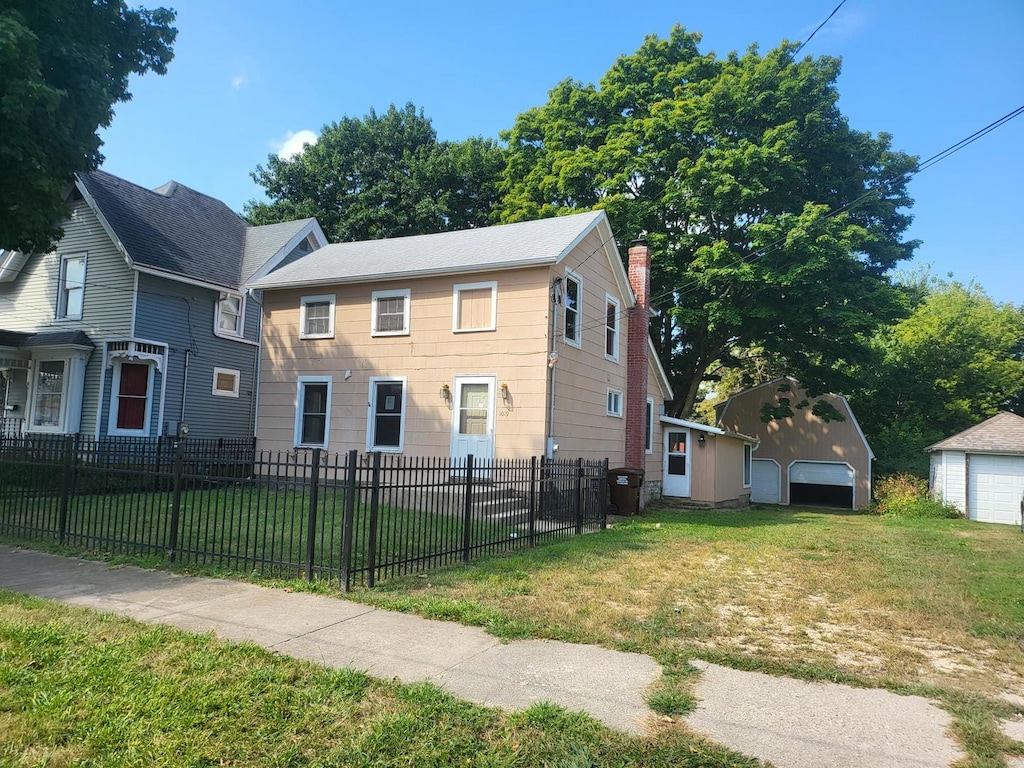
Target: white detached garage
x,y
980,471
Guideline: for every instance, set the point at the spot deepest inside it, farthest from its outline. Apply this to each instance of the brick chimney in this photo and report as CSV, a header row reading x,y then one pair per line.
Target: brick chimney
x,y
636,354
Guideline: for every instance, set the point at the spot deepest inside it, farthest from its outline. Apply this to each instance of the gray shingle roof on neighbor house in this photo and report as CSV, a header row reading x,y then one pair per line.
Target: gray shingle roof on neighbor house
x,y
1003,433
262,243
470,250
173,228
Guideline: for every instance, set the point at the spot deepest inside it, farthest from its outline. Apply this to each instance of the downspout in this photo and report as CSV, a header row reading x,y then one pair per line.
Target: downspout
x,y
556,300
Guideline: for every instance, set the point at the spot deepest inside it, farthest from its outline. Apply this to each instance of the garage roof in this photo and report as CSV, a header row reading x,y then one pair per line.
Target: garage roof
x,y
1003,433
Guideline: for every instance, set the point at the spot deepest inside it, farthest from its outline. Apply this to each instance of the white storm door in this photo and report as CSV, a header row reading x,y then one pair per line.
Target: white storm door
x,y
676,478
473,418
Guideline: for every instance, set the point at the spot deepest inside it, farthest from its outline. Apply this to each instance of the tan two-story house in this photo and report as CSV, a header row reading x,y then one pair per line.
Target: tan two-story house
x,y
510,341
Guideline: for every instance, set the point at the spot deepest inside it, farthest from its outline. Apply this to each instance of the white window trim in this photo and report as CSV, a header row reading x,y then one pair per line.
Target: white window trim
x,y
578,342
217,330
608,397
377,295
329,298
371,437
748,465
115,391
458,288
61,310
300,385
649,428
33,394
609,299
223,392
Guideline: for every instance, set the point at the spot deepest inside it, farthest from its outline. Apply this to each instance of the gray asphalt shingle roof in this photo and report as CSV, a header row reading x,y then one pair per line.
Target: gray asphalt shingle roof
x,y
173,229
263,243
1003,433
507,245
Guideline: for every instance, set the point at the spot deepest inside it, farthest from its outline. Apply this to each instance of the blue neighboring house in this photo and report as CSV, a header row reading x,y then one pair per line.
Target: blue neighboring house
x,y
140,319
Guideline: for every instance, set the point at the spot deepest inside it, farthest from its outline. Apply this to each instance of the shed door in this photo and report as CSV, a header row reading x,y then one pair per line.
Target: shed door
x,y
676,477
765,481
995,487
821,483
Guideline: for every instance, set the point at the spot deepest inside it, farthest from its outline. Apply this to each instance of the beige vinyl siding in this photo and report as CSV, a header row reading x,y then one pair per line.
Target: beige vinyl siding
x,y
801,437
431,355
584,375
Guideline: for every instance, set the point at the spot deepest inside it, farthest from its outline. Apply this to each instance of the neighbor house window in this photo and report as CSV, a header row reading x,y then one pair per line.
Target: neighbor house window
x,y
71,296
475,307
573,309
614,402
49,395
390,313
230,311
313,412
748,454
611,328
649,426
385,430
225,382
130,398
316,317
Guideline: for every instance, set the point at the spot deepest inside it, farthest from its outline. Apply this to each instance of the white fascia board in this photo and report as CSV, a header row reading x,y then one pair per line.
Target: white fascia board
x,y
652,355
311,228
91,202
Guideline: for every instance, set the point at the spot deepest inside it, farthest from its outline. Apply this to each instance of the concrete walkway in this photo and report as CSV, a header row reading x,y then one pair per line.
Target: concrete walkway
x,y
789,722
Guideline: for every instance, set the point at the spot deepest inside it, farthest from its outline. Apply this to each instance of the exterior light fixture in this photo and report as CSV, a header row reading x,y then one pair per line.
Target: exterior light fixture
x,y
505,395
446,393
701,440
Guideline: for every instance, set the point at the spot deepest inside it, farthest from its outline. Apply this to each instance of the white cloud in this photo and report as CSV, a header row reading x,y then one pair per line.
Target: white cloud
x,y
238,81
293,143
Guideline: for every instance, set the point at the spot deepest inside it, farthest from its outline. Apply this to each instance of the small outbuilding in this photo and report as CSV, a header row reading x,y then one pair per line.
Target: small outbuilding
x,y
706,466
980,471
802,459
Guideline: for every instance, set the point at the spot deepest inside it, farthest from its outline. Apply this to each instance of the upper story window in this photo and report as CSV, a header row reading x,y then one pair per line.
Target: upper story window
x,y
71,290
573,330
230,315
475,307
611,328
390,313
316,317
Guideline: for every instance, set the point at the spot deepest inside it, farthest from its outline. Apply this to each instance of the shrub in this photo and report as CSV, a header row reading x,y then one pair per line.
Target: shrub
x,y
905,495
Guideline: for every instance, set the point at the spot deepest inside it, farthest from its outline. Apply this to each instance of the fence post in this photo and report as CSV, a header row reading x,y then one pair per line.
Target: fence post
x,y
533,501
70,450
314,497
602,494
577,497
349,522
467,512
178,470
371,537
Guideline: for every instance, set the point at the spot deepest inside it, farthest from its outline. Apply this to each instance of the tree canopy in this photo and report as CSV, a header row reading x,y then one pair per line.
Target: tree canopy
x,y
382,176
956,360
64,64
772,222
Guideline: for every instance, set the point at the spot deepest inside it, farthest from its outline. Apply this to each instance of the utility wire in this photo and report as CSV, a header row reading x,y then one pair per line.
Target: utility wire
x,y
816,29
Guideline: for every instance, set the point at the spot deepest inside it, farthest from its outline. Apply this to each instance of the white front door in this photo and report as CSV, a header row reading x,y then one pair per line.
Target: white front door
x,y
676,480
473,418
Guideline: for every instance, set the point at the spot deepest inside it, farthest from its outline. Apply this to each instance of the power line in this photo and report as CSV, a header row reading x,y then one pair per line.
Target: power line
x,y
816,29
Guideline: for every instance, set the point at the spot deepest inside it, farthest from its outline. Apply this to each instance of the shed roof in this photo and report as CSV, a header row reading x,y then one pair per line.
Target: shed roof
x,y
1003,433
527,243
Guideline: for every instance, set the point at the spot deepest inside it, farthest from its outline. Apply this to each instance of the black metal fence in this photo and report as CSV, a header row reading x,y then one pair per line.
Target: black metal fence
x,y
354,518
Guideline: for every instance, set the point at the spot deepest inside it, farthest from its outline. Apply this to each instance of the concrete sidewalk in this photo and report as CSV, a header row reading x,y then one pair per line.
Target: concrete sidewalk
x,y
789,722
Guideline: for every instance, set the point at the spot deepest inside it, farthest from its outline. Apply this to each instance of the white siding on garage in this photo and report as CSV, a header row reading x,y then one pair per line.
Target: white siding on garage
x,y
996,485
948,473
766,481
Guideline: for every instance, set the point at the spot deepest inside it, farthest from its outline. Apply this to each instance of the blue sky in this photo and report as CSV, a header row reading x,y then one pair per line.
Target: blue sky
x,y
249,75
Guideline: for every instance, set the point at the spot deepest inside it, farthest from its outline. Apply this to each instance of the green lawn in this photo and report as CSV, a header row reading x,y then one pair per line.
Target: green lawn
x,y
82,689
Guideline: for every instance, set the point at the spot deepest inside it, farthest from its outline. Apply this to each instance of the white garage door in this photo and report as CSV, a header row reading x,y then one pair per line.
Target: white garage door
x,y
819,473
995,487
765,481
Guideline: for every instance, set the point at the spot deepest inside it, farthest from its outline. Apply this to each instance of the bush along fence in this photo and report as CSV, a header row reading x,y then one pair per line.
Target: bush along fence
x,y
352,518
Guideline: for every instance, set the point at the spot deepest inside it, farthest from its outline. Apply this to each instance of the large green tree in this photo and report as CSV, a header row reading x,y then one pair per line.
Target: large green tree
x,y
382,176
64,64
772,222
956,360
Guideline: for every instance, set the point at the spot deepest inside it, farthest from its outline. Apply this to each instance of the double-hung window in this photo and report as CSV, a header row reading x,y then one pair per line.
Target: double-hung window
x,y
573,328
71,295
390,313
313,412
316,317
385,429
611,328
230,315
614,402
49,395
